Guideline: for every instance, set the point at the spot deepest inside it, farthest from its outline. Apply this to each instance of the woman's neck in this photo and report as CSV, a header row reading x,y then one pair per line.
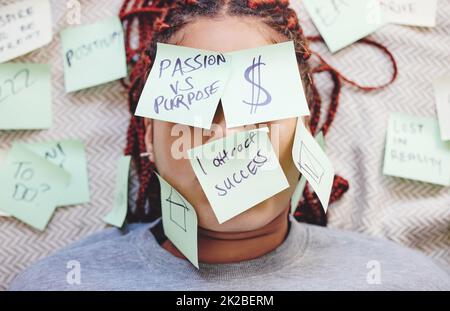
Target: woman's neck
x,y
227,247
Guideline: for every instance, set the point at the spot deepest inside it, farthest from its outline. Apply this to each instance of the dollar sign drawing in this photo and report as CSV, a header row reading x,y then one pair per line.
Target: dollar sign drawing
x,y
255,81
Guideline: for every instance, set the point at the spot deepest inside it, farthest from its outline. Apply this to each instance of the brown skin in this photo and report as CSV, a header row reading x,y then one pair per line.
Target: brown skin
x,y
262,228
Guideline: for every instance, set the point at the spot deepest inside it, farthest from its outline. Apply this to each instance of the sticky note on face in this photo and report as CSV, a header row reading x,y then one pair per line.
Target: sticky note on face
x,y
31,186
93,54
410,12
302,182
184,86
313,163
414,150
238,172
442,94
179,221
119,212
343,22
24,27
25,96
264,85
70,156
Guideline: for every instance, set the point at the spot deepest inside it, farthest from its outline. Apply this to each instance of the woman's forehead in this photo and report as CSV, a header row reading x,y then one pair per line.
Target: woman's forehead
x,y
225,34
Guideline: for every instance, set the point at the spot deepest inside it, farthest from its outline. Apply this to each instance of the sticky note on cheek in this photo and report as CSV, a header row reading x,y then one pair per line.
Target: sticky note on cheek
x,y
25,96
179,221
24,27
264,85
238,172
313,163
93,54
31,186
414,150
442,95
343,22
184,86
410,12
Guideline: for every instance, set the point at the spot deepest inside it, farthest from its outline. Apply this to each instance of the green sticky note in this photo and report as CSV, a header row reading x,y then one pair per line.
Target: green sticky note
x,y
342,22
298,192
69,155
414,150
410,12
179,221
237,172
31,186
264,85
93,54
184,86
119,212
442,94
311,160
25,96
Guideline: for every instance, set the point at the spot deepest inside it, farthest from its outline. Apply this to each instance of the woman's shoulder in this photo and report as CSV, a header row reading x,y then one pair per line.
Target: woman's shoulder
x,y
107,252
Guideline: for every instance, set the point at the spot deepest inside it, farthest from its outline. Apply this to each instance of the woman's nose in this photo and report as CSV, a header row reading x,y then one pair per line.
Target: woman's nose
x,y
219,126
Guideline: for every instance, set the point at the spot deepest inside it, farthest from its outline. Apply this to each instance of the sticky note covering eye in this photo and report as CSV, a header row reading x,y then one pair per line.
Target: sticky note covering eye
x,y
93,54
70,156
410,12
24,27
313,163
414,150
237,172
343,22
25,96
31,186
179,221
264,85
184,86
442,94
119,211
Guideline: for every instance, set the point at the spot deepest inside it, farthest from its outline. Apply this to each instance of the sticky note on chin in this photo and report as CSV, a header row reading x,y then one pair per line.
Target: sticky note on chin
x,y
184,86
414,150
238,172
93,54
69,155
25,96
343,22
442,95
264,85
410,12
31,186
179,221
313,163
24,27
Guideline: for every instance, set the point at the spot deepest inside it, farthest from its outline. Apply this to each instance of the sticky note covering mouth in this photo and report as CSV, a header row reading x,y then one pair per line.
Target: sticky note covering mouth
x,y
414,150
184,86
238,172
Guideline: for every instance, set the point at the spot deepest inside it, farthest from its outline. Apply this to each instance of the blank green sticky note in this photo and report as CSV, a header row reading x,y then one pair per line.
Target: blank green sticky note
x,y
414,150
31,186
311,160
264,85
179,221
69,155
25,96
184,85
442,95
238,172
297,195
342,22
119,211
93,54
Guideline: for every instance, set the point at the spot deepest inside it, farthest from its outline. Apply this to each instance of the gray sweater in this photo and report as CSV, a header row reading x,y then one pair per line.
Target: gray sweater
x,y
311,258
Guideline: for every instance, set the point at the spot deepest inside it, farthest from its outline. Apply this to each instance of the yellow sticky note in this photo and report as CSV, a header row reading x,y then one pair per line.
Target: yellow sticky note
x,y
24,26
238,172
184,86
179,221
313,163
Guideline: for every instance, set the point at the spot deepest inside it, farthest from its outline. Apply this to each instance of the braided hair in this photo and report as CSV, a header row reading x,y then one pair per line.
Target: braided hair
x,y
157,21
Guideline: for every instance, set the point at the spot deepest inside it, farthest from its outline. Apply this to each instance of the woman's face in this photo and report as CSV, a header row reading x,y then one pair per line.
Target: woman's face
x,y
223,35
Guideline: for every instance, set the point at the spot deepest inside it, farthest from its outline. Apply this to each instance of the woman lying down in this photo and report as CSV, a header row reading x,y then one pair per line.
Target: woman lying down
x,y
261,248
